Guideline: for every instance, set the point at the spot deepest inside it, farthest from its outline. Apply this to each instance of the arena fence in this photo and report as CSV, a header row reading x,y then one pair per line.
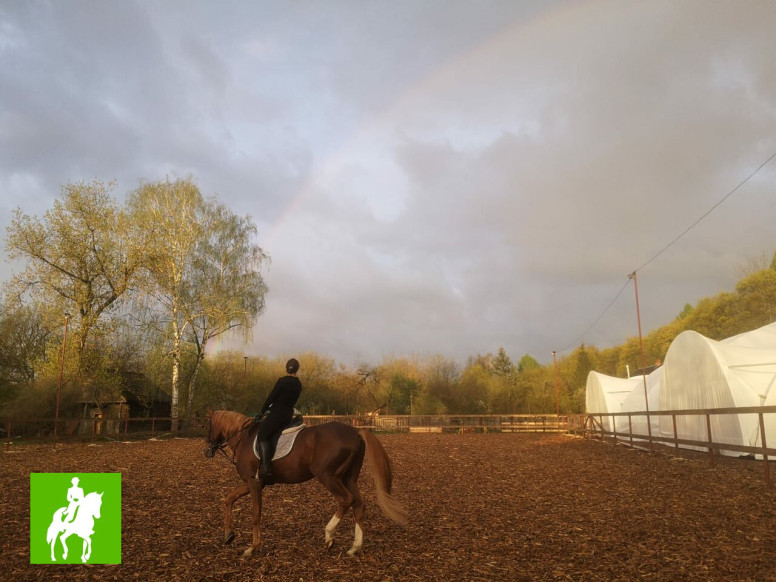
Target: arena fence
x,y
604,426
599,425
42,429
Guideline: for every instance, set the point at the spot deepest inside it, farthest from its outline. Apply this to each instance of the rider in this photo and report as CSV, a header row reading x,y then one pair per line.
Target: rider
x,y
74,496
280,404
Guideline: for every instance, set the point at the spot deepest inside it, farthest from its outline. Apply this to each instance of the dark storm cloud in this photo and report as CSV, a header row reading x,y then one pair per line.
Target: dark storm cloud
x,y
436,177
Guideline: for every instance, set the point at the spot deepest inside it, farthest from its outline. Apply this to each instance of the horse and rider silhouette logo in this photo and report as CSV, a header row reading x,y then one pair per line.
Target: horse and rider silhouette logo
x,y
66,509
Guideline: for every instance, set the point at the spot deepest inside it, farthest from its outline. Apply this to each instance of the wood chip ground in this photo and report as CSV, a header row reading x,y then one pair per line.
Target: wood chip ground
x,y
483,507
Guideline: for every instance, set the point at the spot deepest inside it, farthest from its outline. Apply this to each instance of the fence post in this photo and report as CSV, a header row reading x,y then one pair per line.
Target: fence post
x,y
708,434
630,429
676,435
765,449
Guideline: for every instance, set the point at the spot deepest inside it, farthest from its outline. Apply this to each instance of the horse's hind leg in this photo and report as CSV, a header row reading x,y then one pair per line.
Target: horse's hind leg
x,y
330,527
345,500
351,484
233,496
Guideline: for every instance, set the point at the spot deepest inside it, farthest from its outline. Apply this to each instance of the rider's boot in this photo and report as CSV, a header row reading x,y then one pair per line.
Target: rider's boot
x,y
265,472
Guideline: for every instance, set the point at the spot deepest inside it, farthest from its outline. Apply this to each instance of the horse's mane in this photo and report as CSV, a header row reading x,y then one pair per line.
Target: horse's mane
x,y
229,421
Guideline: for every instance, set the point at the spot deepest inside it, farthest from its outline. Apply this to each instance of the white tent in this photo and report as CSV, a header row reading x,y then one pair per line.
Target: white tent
x,y
698,373
702,373
608,394
634,402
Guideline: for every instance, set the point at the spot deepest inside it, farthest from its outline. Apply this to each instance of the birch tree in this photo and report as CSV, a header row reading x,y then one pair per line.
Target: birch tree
x,y
227,289
171,211
200,270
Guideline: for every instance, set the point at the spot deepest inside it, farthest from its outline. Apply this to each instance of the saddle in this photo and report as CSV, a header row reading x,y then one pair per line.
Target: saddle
x,y
282,442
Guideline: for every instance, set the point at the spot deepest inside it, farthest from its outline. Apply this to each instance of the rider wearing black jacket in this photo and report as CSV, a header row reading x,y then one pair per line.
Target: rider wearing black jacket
x,y
280,404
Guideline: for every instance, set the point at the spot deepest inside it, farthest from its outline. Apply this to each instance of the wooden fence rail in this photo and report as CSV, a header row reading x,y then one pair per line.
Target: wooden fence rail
x,y
93,428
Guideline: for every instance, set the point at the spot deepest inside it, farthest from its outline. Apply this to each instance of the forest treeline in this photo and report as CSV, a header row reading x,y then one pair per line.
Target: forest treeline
x,y
147,284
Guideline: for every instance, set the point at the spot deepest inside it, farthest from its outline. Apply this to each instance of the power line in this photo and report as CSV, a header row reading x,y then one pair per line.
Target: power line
x,y
709,211
592,325
669,245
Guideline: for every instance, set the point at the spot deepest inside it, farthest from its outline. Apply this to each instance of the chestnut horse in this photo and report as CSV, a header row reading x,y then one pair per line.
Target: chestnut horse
x,y
332,453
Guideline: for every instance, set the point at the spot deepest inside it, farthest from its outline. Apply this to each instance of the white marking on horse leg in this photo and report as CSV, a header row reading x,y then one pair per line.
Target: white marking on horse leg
x,y
358,541
330,527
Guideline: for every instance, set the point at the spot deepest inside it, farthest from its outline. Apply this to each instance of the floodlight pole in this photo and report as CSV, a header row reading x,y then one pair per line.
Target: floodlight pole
x,y
557,400
641,352
61,373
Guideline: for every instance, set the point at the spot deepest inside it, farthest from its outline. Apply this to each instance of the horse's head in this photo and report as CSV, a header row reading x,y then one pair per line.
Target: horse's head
x,y
91,504
222,427
215,438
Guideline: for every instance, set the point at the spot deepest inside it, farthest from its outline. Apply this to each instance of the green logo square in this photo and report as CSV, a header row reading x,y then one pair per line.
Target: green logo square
x,y
75,518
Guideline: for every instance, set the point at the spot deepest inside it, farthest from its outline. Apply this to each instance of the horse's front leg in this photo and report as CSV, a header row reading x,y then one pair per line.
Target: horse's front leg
x,y
86,550
233,496
255,488
63,539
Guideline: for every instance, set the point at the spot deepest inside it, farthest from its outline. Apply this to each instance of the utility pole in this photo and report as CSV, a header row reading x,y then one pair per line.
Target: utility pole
x,y
557,398
641,352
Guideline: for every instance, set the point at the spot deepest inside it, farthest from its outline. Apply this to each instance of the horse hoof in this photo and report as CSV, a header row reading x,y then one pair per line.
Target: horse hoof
x,y
247,553
352,551
229,538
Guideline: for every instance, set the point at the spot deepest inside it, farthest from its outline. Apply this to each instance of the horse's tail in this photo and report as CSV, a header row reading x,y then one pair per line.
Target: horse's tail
x,y
381,466
56,525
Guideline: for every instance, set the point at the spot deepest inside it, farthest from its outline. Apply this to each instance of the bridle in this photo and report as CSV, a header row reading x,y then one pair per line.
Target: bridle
x,y
218,447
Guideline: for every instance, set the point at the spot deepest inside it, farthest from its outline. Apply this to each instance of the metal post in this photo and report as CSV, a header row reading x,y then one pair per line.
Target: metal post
x,y
765,449
676,435
641,351
557,400
708,434
61,374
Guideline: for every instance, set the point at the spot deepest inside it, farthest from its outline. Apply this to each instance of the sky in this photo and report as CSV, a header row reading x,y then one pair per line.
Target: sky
x,y
443,177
